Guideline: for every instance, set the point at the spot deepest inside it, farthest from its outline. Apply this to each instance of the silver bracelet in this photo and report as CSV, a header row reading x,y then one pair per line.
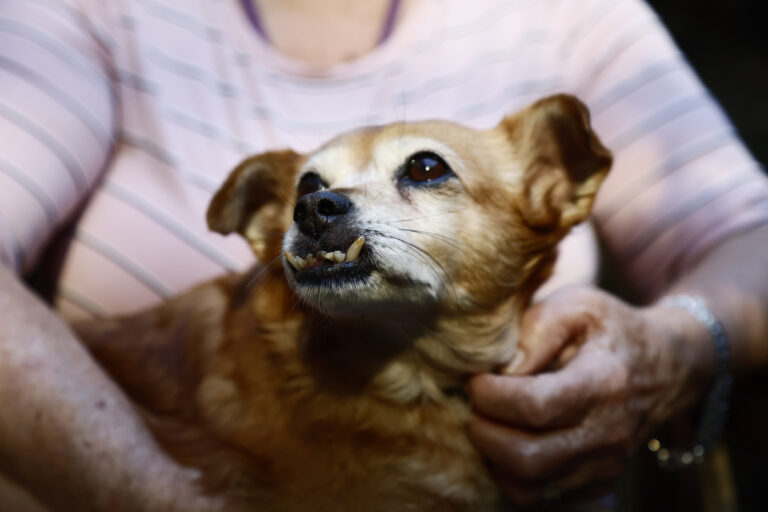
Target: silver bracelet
x,y
715,408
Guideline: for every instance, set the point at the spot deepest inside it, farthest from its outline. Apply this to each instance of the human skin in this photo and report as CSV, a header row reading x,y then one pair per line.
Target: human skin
x,y
67,434
347,28
627,370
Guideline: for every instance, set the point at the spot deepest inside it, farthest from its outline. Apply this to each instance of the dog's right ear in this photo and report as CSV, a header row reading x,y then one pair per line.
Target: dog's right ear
x,y
257,201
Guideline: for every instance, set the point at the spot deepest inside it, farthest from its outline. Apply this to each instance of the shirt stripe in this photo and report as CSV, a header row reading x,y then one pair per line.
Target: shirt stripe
x,y
76,172
688,208
117,257
55,46
634,83
95,126
135,201
181,19
148,146
662,116
82,301
699,148
35,190
12,247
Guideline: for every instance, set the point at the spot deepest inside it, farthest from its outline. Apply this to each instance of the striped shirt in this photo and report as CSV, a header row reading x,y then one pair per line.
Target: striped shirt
x,y
119,119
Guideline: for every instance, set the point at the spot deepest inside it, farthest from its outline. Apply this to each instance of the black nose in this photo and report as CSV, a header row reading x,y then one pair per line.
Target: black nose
x,y
316,212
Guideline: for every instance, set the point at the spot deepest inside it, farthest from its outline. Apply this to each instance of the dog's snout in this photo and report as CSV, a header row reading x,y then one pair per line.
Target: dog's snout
x,y
315,212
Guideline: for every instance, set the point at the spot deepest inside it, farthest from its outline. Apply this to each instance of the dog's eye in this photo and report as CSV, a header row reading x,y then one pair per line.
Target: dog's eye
x,y
309,183
426,167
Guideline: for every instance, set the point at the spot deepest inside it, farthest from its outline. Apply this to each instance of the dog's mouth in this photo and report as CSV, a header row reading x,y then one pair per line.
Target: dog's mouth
x,y
330,266
323,258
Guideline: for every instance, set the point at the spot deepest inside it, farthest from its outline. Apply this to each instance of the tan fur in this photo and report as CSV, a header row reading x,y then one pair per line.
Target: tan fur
x,y
293,399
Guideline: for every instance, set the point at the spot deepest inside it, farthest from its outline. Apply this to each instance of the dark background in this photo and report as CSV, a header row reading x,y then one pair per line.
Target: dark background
x,y
727,43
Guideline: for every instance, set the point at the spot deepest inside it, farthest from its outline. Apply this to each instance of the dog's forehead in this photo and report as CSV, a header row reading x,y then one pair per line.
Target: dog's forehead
x,y
377,153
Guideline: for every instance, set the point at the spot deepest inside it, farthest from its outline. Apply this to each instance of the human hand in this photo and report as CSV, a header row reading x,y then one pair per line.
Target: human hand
x,y
605,374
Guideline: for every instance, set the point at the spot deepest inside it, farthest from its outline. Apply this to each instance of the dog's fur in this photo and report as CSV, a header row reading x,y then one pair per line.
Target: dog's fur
x,y
342,391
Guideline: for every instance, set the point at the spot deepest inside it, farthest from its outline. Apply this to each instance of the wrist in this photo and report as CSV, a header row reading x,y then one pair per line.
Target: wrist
x,y
689,355
716,402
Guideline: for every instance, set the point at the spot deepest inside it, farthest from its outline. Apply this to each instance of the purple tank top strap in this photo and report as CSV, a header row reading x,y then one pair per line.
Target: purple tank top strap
x,y
252,11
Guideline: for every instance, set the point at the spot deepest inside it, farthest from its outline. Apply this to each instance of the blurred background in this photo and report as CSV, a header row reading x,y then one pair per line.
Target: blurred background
x,y
727,43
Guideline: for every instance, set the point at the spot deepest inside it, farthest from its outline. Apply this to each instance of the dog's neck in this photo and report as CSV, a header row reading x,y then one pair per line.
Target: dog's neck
x,y
419,355
409,356
403,356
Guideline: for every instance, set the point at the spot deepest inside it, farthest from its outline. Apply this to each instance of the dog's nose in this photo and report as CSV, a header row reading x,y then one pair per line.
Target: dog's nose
x,y
315,212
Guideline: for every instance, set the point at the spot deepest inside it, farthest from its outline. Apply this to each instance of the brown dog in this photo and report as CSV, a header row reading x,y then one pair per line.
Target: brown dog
x,y
395,261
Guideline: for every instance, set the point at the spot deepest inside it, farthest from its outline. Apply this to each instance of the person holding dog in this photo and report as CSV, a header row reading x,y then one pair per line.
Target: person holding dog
x,y
141,106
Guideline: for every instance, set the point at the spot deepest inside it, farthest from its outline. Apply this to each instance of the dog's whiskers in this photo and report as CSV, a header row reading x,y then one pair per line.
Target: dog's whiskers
x,y
428,258
245,288
296,302
410,219
443,238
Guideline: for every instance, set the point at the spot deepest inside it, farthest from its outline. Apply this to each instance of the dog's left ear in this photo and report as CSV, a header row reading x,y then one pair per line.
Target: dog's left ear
x,y
257,201
564,161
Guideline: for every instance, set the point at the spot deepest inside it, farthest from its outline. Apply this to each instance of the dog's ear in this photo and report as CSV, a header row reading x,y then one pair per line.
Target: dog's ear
x,y
257,201
563,161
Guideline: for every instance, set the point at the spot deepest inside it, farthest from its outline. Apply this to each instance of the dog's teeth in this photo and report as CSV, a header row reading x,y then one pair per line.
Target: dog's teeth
x,y
352,254
295,261
354,250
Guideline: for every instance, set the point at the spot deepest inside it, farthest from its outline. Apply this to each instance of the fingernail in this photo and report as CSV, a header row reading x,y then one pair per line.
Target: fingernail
x,y
512,366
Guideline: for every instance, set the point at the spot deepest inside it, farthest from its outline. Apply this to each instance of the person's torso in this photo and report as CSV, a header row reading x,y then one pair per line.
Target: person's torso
x,y
198,90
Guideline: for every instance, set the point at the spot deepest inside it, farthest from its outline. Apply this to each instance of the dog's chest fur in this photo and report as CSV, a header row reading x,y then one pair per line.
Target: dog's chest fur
x,y
250,394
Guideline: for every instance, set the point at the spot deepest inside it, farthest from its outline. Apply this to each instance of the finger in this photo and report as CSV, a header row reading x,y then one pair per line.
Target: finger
x,y
529,457
595,473
549,400
589,498
550,328
590,480
596,497
523,455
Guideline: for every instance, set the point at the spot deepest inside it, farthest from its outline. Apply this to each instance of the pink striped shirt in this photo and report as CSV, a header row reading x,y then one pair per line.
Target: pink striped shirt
x,y
119,119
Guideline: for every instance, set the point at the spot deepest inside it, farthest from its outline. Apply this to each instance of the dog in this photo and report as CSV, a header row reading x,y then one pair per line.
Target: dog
x,y
394,262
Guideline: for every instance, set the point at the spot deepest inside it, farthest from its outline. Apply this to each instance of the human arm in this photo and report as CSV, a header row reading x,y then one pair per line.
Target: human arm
x,y
67,434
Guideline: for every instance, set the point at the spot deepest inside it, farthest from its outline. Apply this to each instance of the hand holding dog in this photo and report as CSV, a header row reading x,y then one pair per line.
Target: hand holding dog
x,y
616,372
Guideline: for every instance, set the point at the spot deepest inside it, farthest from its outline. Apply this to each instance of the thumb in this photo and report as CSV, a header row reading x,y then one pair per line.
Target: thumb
x,y
551,333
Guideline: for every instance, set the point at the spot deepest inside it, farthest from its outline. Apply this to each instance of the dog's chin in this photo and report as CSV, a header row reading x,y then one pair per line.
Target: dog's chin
x,y
354,288
343,274
327,280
